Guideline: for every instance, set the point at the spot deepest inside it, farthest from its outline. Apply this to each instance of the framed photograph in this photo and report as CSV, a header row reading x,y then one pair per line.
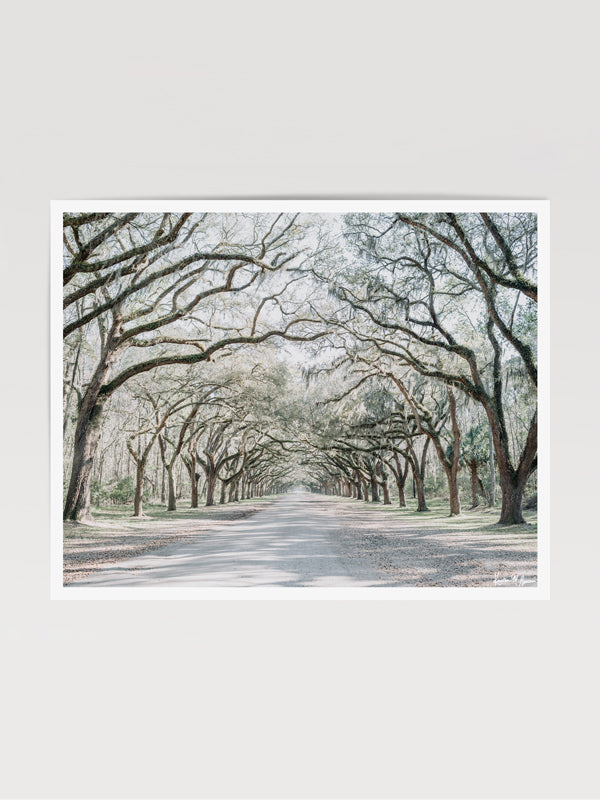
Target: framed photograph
x,y
300,396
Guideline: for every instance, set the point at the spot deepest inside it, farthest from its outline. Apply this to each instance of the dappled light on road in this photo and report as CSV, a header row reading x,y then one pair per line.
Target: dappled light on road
x,y
309,540
292,543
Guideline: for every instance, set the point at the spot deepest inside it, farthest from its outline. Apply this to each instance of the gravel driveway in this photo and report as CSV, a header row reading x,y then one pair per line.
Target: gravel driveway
x,y
308,540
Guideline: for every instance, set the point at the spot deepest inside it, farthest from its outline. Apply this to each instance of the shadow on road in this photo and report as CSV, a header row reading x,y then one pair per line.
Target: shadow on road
x,y
305,540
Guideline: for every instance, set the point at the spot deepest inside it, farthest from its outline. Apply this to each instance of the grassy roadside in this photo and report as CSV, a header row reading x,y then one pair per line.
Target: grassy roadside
x,y
436,518
120,517
433,549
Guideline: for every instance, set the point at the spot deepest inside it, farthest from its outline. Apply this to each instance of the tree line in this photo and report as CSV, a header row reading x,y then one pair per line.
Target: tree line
x,y
418,334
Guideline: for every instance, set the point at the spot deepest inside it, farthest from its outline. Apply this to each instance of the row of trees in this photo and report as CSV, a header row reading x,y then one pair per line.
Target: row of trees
x,y
375,437
218,426
451,298
224,438
177,289
424,326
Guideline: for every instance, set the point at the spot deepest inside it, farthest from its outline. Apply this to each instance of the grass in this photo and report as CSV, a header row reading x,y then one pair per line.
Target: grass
x,y
110,517
437,517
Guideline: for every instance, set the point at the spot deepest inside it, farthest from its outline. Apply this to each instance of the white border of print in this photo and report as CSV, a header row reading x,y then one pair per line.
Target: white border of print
x,y
539,592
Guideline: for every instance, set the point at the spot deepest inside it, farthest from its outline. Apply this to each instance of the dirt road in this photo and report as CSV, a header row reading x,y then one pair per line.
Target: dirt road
x,y
293,542
304,539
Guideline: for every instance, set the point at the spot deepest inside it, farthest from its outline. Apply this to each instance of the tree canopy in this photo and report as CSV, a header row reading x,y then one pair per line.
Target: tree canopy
x,y
219,356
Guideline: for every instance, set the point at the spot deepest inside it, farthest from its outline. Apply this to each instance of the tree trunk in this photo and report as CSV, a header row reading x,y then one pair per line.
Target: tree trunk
x,y
418,488
455,466
492,498
194,481
452,476
401,495
87,434
374,490
400,476
211,485
386,493
71,387
418,472
512,481
190,465
172,501
474,483
512,501
222,497
450,466
482,489
156,477
139,489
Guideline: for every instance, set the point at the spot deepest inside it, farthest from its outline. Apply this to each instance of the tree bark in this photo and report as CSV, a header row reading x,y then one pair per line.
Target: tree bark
x,y
386,493
172,501
455,464
474,482
401,495
492,500
512,481
454,493
194,490
211,485
401,475
418,473
374,489
71,388
87,433
190,465
512,501
139,489
420,490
